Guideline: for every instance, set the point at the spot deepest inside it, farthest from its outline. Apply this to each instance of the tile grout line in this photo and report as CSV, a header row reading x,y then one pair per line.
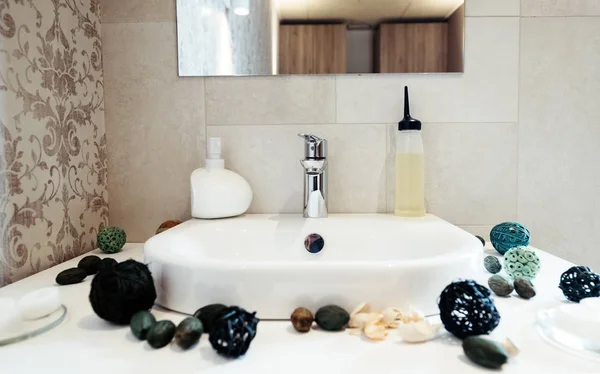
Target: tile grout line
x,y
386,167
520,9
205,111
335,98
358,124
519,120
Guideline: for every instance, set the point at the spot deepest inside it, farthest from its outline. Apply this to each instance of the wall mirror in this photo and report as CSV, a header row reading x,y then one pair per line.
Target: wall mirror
x,y
270,37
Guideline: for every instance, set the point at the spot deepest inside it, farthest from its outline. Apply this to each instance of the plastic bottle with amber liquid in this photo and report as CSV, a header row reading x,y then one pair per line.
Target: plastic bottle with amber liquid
x,y
410,169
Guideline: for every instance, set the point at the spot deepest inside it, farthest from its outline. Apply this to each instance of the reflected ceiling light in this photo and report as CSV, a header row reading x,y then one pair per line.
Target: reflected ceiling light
x,y
241,7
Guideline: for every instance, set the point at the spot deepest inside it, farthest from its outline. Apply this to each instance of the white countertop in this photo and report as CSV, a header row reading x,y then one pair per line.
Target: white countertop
x,y
84,343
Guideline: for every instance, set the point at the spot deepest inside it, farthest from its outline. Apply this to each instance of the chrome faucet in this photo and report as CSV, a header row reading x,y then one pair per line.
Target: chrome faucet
x,y
315,176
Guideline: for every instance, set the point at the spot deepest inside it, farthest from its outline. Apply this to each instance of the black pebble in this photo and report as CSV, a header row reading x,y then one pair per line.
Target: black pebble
x,y
71,276
108,263
207,315
90,264
481,239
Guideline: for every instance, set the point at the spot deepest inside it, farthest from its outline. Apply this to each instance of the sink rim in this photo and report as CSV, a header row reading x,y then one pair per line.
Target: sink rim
x,y
244,264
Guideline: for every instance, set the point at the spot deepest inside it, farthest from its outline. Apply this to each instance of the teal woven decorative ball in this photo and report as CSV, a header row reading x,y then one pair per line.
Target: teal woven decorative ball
x,y
521,262
111,239
508,235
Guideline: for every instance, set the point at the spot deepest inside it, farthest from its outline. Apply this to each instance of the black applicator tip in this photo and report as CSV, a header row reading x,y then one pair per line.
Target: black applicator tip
x,y
406,103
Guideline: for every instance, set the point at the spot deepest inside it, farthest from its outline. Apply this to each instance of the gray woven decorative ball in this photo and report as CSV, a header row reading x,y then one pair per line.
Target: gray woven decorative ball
x,y
508,235
521,262
111,239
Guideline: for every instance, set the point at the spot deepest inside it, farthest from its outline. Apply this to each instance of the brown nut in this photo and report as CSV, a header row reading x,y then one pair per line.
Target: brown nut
x,y
167,225
302,319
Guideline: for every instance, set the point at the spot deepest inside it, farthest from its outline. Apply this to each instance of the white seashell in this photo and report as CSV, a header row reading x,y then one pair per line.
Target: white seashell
x,y
376,331
362,308
411,314
511,348
390,317
361,320
418,332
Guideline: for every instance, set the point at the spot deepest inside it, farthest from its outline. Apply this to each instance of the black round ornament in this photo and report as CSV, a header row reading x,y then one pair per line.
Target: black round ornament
x,y
466,309
120,291
579,282
233,331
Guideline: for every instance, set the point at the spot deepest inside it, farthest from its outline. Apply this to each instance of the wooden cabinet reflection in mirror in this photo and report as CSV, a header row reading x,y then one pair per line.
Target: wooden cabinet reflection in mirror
x,y
312,49
402,46
270,37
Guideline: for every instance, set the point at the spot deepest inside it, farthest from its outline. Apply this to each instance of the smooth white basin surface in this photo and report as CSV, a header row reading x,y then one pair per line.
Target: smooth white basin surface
x,y
259,262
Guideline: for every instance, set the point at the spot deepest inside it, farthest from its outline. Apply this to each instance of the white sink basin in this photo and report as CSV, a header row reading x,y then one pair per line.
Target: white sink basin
x,y
259,262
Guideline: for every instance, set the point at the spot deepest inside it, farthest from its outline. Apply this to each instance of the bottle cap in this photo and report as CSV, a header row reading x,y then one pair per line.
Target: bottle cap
x,y
213,148
408,123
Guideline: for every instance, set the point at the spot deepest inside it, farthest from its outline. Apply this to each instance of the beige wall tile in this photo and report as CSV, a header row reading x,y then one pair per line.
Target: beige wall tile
x,y
270,100
470,172
560,136
486,92
269,158
560,8
121,11
479,8
155,126
481,230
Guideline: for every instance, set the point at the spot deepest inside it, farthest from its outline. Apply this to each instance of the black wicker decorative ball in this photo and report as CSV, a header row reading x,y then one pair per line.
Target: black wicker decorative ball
x,y
233,331
579,282
119,291
466,309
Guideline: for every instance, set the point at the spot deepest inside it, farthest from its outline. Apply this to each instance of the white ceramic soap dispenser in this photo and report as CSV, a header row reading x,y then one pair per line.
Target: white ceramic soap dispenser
x,y
216,191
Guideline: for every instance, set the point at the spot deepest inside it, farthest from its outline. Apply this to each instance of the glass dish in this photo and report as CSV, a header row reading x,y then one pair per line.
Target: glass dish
x,y
35,327
565,340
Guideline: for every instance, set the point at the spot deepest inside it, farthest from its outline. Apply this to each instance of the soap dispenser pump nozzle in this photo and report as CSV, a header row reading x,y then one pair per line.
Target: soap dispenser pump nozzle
x,y
408,123
213,154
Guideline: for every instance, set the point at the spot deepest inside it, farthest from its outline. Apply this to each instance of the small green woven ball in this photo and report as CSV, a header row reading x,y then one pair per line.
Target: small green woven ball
x,y
521,262
111,239
508,235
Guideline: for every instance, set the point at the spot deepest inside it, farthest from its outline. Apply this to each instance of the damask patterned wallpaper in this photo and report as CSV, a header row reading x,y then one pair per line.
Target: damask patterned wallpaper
x,y
53,196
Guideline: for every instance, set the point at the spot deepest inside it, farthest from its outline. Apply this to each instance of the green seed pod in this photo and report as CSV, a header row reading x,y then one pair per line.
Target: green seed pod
x,y
161,334
141,323
332,318
492,264
485,352
500,286
207,315
71,276
188,332
111,239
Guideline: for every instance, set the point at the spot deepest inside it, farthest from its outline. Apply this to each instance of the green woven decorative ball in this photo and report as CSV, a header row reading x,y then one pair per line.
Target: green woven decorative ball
x,y
508,235
111,239
521,262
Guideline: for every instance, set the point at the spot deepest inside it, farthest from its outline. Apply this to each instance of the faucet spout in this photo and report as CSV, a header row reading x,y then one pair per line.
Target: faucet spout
x,y
315,176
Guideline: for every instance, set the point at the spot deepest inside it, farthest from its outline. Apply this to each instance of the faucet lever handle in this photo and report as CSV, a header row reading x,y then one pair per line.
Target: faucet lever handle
x,y
310,138
314,147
